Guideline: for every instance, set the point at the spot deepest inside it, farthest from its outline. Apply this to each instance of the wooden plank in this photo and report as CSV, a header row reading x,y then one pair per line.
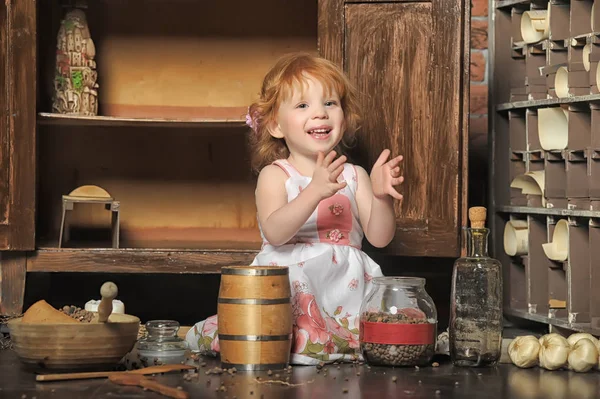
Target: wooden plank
x,y
12,282
46,118
23,103
537,271
547,102
511,3
578,272
463,179
516,297
390,57
540,318
330,30
548,211
594,280
4,122
17,129
418,239
135,260
450,62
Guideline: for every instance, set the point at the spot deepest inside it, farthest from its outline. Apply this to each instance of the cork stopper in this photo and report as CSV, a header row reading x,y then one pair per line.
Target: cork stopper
x,y
477,215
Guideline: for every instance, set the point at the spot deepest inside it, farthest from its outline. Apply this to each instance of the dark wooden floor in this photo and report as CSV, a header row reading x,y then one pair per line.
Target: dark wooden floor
x,y
347,381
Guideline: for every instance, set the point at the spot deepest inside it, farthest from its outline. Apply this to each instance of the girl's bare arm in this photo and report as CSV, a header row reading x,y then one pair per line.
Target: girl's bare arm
x,y
376,214
280,219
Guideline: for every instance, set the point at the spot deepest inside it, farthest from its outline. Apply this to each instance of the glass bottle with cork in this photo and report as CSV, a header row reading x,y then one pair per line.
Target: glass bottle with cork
x,y
476,300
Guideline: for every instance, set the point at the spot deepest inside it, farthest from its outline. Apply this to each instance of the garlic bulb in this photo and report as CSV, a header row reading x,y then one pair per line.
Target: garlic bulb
x,y
583,356
573,338
524,351
554,351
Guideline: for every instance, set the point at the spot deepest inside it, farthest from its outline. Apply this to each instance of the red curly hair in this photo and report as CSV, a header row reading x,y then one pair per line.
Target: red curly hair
x,y
278,85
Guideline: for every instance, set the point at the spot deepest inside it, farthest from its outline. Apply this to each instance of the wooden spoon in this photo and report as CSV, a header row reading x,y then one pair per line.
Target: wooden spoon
x,y
141,381
165,368
109,292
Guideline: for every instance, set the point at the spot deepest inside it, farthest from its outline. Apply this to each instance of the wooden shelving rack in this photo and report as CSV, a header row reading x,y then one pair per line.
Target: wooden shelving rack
x,y
525,87
170,139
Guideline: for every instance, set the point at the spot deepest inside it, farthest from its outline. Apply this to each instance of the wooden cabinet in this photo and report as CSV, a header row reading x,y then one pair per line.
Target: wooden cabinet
x,y
169,142
407,58
545,144
17,125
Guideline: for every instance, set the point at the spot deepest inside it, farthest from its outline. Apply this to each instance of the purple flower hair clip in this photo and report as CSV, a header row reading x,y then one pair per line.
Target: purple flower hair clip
x,y
251,120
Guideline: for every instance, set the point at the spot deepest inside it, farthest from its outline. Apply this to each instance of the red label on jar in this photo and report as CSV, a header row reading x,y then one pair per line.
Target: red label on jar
x,y
397,333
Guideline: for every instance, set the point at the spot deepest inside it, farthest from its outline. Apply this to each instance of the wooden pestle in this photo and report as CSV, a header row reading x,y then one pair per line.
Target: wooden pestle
x,y
164,368
109,292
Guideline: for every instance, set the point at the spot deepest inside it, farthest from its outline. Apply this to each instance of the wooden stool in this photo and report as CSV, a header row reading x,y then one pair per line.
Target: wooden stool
x,y
90,195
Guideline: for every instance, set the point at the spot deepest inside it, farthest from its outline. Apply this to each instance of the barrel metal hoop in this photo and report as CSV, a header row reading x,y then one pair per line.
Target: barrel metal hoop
x,y
255,367
226,337
249,301
280,271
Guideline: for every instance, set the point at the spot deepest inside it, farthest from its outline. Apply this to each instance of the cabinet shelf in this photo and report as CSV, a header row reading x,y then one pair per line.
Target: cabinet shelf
x,y
546,102
51,119
580,327
134,260
548,211
511,3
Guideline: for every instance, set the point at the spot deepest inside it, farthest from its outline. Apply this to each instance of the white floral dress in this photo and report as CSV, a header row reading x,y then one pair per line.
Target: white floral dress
x,y
329,277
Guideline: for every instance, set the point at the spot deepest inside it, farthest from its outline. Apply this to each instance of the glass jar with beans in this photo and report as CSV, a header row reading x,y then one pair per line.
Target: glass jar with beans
x,y
398,323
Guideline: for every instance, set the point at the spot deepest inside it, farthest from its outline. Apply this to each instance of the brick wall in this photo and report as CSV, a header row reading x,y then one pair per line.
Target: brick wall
x,y
478,158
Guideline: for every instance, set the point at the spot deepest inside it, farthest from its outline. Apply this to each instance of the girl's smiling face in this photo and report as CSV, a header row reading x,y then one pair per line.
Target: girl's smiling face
x,y
311,119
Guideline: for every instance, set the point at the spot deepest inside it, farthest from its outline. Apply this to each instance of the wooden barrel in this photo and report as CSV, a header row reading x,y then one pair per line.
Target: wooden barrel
x,y
255,317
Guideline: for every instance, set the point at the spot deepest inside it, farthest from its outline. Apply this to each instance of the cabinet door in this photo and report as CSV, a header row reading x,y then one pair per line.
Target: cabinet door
x,y
17,124
409,61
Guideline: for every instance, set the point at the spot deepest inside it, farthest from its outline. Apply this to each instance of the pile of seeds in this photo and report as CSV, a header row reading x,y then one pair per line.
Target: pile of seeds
x,y
79,314
395,355
5,342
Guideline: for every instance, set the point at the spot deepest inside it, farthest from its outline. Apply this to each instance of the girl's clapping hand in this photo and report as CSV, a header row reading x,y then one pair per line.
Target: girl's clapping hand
x,y
386,175
326,174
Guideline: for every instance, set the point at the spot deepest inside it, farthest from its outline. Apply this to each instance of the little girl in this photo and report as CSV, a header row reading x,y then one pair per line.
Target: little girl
x,y
314,208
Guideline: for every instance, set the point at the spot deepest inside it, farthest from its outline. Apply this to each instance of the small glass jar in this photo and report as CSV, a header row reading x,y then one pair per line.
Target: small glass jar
x,y
398,323
162,345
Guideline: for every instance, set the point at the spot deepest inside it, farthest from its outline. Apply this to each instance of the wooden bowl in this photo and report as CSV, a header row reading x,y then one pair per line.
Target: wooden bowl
x,y
74,346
